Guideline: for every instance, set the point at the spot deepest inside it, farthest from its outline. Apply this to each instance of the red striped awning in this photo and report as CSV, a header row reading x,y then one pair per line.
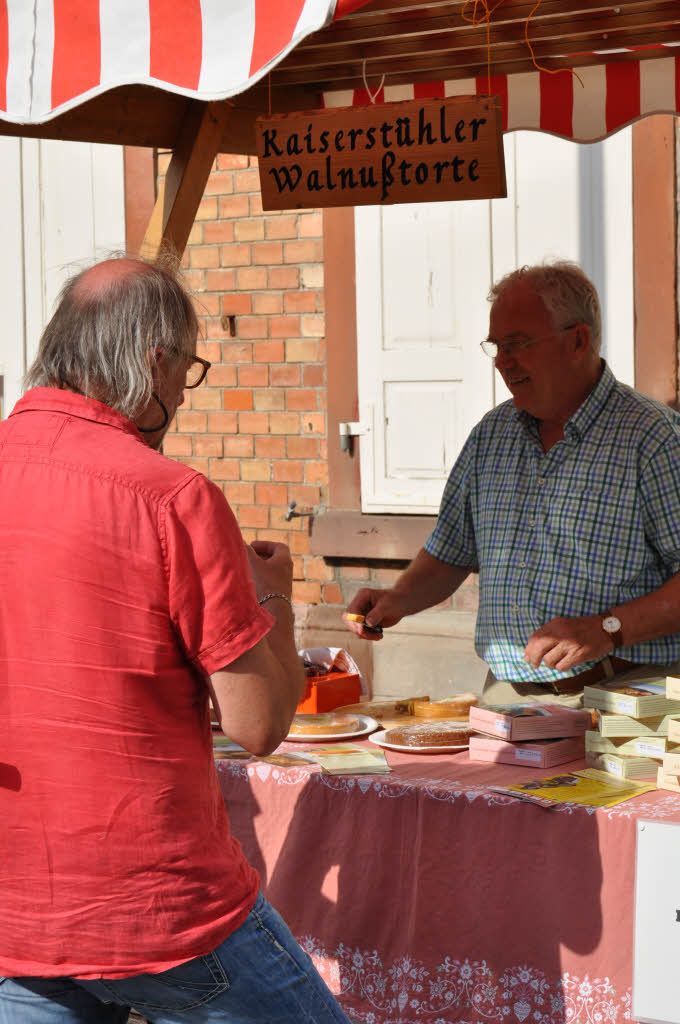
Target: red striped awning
x,y
611,96
55,54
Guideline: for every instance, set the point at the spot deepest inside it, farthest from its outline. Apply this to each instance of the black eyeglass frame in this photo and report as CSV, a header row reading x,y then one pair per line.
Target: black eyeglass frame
x,y
206,366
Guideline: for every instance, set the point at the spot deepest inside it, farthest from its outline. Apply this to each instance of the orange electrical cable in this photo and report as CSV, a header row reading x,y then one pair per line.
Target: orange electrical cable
x,y
477,19
481,14
548,71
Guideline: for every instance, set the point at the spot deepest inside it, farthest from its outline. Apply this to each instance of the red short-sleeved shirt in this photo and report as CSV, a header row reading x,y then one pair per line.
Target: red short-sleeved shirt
x,y
123,581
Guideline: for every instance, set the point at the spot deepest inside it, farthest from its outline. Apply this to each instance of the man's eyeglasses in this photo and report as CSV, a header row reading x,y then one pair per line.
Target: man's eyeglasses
x,y
197,372
491,347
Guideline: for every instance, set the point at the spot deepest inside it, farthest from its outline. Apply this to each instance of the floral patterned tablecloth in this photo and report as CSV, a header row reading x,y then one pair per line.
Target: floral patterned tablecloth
x,y
422,896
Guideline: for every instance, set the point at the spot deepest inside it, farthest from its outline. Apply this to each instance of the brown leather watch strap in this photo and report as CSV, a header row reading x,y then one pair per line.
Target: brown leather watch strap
x,y
617,634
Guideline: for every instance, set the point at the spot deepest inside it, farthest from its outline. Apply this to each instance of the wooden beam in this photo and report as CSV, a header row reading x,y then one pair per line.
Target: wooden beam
x,y
344,478
346,534
507,9
462,63
131,115
186,178
655,260
239,132
546,23
139,169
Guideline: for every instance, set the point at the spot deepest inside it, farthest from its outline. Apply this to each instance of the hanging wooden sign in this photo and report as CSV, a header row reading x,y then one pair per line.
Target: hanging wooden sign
x,y
419,151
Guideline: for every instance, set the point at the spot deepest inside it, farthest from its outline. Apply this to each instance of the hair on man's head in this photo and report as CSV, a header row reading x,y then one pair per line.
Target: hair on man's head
x,y
568,295
109,321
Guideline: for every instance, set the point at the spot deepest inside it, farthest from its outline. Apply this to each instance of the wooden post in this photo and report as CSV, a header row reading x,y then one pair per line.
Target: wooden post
x,y
182,190
139,169
655,240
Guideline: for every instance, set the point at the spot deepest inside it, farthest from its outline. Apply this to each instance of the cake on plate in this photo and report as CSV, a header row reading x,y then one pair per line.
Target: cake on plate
x,y
445,732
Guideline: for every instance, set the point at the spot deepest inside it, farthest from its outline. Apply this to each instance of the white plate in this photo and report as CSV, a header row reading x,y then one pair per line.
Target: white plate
x,y
366,725
379,739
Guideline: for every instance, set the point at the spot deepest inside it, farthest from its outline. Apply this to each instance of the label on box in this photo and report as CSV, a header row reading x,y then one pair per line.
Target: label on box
x,y
529,755
625,707
612,767
648,749
503,725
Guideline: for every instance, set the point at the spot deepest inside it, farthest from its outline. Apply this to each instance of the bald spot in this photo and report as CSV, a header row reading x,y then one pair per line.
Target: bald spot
x,y
99,279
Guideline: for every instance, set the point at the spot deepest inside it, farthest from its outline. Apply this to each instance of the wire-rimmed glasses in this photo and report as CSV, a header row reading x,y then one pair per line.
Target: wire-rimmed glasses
x,y
491,347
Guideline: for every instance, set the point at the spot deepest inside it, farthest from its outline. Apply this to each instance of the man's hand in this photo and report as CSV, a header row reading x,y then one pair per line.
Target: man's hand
x,y
271,566
563,643
381,608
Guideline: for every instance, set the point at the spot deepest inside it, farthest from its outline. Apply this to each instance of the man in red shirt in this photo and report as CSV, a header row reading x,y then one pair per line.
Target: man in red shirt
x,y
127,597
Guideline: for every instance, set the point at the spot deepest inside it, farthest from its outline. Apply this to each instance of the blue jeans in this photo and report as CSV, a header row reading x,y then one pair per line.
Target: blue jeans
x,y
258,975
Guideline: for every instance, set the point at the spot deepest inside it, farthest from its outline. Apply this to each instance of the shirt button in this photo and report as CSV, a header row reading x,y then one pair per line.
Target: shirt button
x,y
532,523
522,565
515,607
541,479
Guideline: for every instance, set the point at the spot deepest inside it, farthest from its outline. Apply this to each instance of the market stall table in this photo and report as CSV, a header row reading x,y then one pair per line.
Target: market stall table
x,y
423,896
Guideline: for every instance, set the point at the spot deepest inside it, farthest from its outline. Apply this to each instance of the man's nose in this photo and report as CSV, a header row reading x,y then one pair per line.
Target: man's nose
x,y
503,358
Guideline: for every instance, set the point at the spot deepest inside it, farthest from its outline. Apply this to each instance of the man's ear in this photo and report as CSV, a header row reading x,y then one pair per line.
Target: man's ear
x,y
155,355
581,339
155,358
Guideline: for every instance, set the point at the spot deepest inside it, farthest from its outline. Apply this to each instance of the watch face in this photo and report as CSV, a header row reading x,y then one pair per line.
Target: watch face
x,y
611,624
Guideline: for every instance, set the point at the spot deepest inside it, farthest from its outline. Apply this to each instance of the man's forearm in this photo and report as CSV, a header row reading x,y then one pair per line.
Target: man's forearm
x,y
281,639
652,616
428,582
565,642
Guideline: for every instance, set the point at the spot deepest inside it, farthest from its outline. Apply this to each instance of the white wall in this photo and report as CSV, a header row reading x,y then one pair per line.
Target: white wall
x,y
62,205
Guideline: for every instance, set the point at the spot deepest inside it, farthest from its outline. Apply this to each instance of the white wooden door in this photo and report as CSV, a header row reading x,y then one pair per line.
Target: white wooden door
x,y
418,345
423,274
62,205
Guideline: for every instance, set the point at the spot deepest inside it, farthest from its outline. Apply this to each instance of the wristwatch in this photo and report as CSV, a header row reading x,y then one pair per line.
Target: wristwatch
x,y
612,626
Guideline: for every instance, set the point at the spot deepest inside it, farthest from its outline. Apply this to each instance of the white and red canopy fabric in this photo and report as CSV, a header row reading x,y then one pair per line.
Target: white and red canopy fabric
x,y
56,54
602,99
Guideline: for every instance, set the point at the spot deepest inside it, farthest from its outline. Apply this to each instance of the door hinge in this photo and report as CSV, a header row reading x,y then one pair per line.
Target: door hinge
x,y
350,430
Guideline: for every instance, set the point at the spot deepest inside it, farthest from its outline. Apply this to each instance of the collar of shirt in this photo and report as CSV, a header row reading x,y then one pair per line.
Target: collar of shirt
x,y
71,404
586,414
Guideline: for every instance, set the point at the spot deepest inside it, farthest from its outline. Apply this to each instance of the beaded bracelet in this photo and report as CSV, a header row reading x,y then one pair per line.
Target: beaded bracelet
x,y
268,597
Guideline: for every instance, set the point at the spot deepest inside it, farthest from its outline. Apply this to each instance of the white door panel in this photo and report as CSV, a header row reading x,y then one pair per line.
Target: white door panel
x,y
424,453
423,274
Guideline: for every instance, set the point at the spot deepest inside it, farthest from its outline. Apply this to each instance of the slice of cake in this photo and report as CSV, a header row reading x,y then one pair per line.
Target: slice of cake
x,y
327,724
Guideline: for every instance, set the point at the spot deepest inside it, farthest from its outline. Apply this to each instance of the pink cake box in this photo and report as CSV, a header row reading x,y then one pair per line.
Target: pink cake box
x,y
529,721
537,754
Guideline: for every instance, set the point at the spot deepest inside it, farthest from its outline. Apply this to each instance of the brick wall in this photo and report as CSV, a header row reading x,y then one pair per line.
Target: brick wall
x,y
258,428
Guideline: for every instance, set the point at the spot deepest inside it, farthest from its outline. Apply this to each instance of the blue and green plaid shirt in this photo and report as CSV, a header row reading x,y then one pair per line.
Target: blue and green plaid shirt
x,y
593,523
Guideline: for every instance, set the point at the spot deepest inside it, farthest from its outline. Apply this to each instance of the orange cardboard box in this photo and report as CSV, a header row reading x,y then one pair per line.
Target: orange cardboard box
x,y
323,693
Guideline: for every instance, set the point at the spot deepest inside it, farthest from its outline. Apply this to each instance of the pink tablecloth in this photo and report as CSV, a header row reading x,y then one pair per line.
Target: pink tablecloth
x,y
424,897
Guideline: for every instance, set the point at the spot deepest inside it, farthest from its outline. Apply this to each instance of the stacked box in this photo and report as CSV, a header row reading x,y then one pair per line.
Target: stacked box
x,y
638,723
538,735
